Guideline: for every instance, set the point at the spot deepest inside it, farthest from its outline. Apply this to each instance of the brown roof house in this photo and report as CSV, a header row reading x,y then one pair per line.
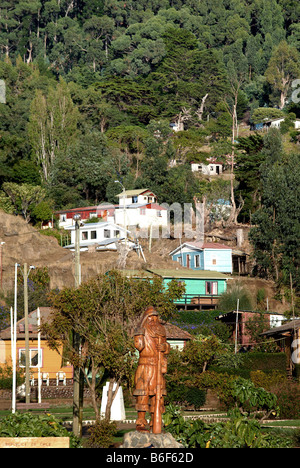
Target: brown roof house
x,y
176,337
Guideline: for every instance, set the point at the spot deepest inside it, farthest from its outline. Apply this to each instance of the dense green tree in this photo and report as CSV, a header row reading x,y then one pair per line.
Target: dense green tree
x,y
283,69
52,126
24,197
276,235
249,160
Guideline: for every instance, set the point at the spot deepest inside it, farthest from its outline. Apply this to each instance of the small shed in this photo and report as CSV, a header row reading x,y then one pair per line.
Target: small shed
x,y
237,321
288,338
176,337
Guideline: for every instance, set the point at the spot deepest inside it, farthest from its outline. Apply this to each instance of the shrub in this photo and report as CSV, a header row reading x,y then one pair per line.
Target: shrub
x,y
30,425
267,380
228,300
196,397
101,434
236,432
253,361
288,400
6,377
183,395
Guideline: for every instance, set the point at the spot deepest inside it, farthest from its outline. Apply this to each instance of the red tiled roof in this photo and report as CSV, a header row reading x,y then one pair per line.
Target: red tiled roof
x,y
175,333
45,313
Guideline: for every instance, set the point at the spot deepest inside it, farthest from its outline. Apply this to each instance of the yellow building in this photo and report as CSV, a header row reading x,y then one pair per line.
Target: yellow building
x,y
52,367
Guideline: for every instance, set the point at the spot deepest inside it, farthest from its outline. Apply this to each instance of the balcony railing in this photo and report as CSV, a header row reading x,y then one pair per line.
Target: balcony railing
x,y
198,301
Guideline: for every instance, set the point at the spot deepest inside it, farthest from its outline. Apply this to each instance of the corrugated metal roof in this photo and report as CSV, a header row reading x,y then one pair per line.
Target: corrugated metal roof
x,y
132,193
291,325
193,274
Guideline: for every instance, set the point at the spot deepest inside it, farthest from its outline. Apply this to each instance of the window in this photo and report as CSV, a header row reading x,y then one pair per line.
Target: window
x,y
106,234
117,234
143,211
211,287
197,261
134,199
179,260
214,261
93,234
85,235
159,214
33,358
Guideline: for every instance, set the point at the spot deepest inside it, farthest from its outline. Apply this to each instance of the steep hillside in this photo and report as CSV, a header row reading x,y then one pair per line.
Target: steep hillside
x,y
23,243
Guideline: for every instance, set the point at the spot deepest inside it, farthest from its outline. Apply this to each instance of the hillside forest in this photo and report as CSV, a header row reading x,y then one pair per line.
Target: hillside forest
x,y
92,86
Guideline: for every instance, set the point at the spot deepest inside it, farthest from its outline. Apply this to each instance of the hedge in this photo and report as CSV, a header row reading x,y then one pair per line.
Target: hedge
x,y
266,362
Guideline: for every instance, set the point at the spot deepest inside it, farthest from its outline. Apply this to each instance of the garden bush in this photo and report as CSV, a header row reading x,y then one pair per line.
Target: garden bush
x,y
268,380
195,397
6,377
288,400
101,434
202,322
186,396
236,432
30,425
252,361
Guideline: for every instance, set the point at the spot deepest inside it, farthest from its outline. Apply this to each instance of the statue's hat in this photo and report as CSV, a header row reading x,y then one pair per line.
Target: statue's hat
x,y
148,313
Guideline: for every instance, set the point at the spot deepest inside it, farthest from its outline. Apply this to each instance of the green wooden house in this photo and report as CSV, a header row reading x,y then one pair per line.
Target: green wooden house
x,y
202,288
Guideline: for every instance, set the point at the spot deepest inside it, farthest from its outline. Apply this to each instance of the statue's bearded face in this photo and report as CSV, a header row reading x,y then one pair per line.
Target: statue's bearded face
x,y
153,326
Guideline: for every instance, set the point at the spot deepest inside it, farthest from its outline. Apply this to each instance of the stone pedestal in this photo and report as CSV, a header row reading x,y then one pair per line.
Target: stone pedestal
x,y
136,439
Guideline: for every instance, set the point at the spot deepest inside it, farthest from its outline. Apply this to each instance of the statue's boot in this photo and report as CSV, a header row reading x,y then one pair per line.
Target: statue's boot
x,y
141,425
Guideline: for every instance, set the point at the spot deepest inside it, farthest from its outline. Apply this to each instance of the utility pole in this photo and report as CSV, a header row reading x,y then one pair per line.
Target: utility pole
x,y
26,273
1,265
78,375
236,326
14,347
27,364
124,208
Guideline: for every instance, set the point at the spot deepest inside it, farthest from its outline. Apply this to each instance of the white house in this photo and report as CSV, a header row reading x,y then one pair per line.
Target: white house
x,y
212,168
142,215
141,210
276,123
100,236
177,127
138,196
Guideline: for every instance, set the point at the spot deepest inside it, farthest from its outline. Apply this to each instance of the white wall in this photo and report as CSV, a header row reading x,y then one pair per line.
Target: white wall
x,y
135,218
207,169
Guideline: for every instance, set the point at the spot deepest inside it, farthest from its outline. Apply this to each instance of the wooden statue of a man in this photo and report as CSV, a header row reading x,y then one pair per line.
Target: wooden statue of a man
x,y
150,388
